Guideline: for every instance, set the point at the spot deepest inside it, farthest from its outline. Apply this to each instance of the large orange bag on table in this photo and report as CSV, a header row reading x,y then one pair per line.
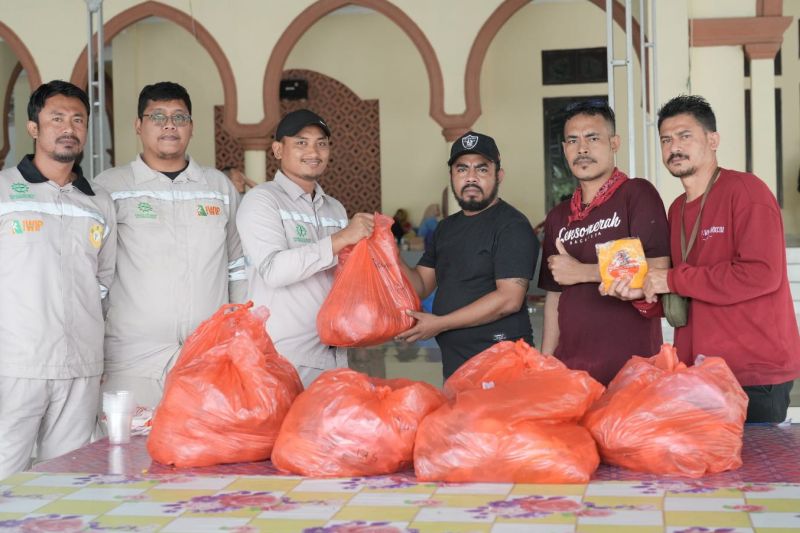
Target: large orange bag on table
x,y
662,417
225,404
512,417
370,294
349,424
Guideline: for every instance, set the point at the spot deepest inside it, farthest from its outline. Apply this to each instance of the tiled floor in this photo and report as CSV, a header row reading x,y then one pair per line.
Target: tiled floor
x,y
423,360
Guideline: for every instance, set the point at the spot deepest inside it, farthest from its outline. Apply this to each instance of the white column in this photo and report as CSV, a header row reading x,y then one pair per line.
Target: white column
x,y
255,165
762,120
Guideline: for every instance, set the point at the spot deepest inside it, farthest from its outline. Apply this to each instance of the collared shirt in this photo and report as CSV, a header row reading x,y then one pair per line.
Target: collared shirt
x,y
57,247
179,259
286,236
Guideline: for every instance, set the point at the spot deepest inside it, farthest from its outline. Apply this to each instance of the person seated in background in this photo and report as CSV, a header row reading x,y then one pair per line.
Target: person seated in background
x,y
430,219
240,181
402,225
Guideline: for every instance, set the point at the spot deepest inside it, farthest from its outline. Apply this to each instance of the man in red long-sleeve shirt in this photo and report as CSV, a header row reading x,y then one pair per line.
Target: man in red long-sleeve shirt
x,y
735,273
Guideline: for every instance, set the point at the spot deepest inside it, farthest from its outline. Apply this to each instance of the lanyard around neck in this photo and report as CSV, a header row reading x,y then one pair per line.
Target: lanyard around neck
x,y
684,248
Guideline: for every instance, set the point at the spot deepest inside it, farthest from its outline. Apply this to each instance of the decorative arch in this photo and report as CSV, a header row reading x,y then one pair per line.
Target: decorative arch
x,y
487,33
301,24
12,80
151,8
23,55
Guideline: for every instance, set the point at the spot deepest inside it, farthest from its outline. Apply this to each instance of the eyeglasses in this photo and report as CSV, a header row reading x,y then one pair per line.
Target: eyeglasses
x,y
160,119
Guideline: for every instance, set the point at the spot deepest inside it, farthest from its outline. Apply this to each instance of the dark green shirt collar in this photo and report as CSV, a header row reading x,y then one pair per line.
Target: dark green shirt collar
x,y
32,175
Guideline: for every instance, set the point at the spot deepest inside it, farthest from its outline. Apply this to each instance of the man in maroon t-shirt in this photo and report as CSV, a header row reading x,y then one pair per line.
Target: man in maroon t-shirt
x,y
582,328
735,272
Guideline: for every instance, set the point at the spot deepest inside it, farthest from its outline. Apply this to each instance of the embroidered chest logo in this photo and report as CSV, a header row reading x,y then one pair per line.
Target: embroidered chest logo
x,y
145,210
96,235
707,233
208,210
20,191
18,227
301,234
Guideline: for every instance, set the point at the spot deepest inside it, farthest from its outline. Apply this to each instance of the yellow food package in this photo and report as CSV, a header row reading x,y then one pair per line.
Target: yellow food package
x,y
623,258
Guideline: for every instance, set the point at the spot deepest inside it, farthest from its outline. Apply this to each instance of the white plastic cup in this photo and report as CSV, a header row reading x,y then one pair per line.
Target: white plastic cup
x,y
119,408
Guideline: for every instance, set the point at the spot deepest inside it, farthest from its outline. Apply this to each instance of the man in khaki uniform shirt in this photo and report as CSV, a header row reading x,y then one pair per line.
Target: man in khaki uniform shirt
x,y
179,254
57,243
291,233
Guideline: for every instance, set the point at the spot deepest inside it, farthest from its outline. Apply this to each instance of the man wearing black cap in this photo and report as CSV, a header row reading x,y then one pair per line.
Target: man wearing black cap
x,y
481,259
291,232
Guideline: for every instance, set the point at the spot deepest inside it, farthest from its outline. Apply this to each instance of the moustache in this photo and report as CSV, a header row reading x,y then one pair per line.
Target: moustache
x,y
579,160
68,138
463,189
676,157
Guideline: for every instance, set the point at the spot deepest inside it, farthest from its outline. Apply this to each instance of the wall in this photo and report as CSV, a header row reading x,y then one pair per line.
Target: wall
x,y
789,83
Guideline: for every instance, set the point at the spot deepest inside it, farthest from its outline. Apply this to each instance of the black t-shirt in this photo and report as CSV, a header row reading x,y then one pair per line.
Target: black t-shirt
x,y
469,253
600,333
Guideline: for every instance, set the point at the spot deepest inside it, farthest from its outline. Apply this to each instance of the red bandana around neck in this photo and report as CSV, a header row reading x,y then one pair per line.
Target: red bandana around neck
x,y
576,209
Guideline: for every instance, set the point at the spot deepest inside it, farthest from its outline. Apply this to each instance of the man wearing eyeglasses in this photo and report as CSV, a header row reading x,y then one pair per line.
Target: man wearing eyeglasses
x,y
582,328
179,257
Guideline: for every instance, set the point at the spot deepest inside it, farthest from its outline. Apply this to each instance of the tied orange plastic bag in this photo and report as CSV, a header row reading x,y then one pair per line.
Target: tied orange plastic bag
x,y
370,294
349,424
519,425
661,417
224,405
229,320
623,258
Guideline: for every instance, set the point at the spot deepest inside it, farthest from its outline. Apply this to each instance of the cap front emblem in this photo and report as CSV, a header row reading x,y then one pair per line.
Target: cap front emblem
x,y
469,141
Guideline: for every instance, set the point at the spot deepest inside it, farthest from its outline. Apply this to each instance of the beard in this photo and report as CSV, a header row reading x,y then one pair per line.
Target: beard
x,y
473,206
66,157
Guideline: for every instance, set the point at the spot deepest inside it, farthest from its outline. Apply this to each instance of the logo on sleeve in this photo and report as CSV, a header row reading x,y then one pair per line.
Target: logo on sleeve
x,y
208,210
145,210
96,235
20,191
18,227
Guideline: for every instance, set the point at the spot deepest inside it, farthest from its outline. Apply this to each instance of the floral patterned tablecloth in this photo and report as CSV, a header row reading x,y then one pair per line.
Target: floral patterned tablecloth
x,y
151,497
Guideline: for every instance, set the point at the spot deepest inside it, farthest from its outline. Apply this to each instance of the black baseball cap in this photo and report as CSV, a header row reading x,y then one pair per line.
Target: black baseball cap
x,y
475,143
295,121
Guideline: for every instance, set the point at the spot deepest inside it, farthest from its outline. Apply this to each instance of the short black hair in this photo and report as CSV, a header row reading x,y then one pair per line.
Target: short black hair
x,y
690,104
592,108
54,88
162,92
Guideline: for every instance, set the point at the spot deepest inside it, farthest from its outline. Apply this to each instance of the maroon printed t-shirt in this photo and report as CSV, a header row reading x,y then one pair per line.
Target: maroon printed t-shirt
x,y
600,333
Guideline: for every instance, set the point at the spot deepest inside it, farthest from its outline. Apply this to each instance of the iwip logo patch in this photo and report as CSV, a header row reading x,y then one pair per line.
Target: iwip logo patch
x,y
145,210
301,234
96,235
18,227
20,191
208,210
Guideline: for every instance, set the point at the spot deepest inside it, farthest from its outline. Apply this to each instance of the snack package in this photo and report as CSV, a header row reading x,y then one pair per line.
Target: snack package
x,y
370,295
350,424
662,417
623,258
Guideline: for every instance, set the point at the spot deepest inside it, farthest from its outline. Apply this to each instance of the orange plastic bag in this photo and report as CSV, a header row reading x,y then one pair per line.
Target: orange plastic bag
x,y
622,258
349,424
370,294
513,419
224,405
661,417
229,320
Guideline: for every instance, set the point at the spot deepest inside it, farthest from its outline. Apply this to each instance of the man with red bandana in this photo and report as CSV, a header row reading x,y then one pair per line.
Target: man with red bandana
x,y
581,327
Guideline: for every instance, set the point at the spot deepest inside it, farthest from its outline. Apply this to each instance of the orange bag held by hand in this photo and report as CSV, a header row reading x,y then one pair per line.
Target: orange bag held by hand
x,y
512,417
349,424
370,294
224,404
662,417
623,258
